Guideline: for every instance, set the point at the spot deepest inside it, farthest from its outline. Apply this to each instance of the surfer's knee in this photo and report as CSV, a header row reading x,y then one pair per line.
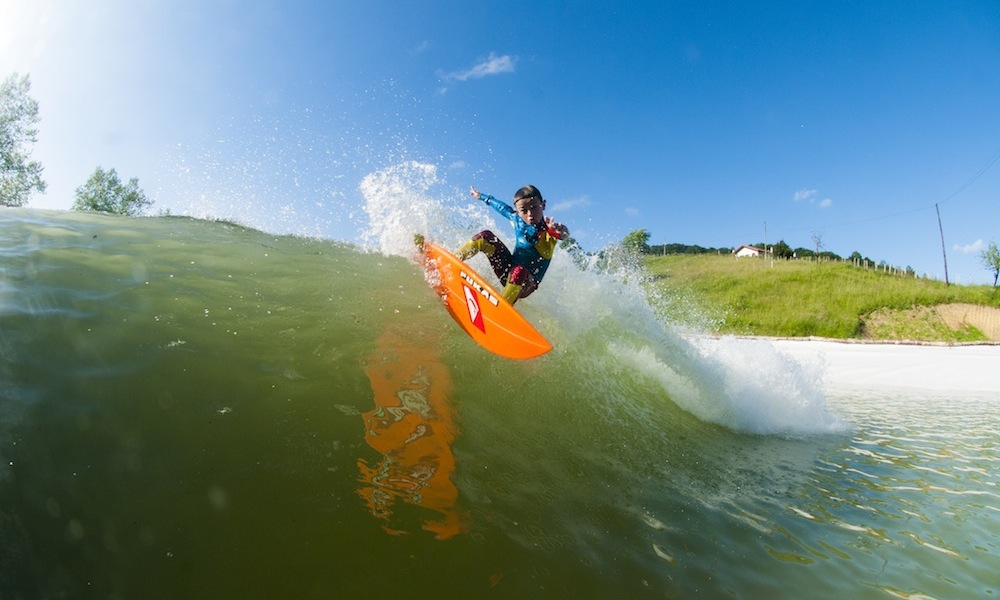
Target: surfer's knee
x,y
518,275
484,241
486,238
522,277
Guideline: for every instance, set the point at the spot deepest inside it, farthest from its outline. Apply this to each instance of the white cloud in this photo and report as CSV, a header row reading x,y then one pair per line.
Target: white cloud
x,y
457,165
632,211
974,247
571,204
493,65
812,198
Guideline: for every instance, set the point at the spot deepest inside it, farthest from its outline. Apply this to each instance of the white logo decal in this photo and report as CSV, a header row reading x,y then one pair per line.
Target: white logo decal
x,y
475,315
483,291
470,299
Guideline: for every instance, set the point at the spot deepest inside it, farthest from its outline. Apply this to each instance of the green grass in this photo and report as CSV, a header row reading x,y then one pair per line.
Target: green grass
x,y
750,296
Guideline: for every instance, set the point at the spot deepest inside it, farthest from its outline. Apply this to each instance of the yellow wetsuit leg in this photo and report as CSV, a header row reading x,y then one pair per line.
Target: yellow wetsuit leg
x,y
520,284
511,292
474,246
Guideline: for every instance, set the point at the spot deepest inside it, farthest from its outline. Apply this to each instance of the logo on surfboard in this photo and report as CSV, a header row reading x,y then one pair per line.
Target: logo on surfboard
x,y
475,315
479,288
472,302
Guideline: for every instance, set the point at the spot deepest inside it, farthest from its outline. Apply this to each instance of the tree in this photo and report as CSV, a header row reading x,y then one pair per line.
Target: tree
x,y
104,192
781,250
636,241
990,257
19,175
817,239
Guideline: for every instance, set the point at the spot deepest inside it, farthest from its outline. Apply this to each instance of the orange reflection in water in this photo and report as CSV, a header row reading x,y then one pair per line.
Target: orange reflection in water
x,y
412,427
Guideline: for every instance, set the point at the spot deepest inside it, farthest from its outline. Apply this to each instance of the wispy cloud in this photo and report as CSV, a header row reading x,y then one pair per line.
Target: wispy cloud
x,y
804,195
974,247
812,197
570,204
632,211
494,64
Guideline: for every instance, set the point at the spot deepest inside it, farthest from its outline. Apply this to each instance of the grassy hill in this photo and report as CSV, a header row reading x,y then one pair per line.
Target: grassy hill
x,y
801,298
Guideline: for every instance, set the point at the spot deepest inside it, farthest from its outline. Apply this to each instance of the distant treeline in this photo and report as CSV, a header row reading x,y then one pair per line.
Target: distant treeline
x,y
686,249
779,250
783,250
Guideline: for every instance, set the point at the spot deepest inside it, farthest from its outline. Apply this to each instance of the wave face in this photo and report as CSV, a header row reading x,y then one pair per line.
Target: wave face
x,y
604,328
193,409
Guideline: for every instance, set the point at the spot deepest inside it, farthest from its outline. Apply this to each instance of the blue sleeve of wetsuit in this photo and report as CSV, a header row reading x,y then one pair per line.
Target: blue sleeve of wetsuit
x,y
501,207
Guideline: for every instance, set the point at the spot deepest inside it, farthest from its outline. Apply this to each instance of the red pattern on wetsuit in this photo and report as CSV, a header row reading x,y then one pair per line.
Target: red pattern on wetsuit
x,y
503,265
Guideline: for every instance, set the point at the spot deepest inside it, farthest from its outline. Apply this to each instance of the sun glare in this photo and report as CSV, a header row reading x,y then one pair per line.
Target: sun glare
x,y
23,31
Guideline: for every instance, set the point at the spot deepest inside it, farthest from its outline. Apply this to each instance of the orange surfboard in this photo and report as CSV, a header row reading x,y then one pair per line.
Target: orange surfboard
x,y
482,312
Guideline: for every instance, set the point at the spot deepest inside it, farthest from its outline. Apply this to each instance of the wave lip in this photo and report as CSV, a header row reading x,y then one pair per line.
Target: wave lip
x,y
745,385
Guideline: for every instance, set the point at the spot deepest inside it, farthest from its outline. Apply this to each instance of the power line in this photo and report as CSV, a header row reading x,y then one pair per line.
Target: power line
x,y
978,174
982,171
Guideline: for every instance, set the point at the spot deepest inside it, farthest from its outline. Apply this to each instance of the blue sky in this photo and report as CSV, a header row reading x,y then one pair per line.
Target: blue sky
x,y
699,121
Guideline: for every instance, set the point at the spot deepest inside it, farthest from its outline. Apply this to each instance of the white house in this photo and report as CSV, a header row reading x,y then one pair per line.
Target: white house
x,y
745,250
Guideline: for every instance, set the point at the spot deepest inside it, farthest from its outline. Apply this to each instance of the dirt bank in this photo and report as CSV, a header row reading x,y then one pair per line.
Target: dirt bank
x,y
944,322
983,318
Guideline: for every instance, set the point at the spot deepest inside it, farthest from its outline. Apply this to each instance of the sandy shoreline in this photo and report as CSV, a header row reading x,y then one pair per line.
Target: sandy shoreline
x,y
929,368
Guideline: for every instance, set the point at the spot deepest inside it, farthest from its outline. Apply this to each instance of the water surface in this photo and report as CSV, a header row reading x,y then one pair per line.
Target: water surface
x,y
191,409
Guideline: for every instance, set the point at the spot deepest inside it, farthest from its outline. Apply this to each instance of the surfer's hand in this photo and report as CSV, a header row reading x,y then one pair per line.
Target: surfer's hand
x,y
475,193
558,230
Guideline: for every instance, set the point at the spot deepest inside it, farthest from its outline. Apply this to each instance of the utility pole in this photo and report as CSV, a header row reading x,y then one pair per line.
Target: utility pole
x,y
943,252
765,240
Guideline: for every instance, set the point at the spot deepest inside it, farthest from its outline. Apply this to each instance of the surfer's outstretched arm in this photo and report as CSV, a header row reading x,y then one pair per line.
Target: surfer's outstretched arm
x,y
501,207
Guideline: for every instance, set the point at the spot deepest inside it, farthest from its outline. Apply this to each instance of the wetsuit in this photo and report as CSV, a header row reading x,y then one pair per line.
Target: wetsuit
x,y
522,270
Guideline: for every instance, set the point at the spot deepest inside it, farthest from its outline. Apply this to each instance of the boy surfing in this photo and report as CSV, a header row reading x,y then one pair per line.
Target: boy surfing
x,y
535,239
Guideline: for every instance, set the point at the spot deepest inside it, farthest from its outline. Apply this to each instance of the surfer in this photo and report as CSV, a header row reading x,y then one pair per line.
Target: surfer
x,y
535,238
